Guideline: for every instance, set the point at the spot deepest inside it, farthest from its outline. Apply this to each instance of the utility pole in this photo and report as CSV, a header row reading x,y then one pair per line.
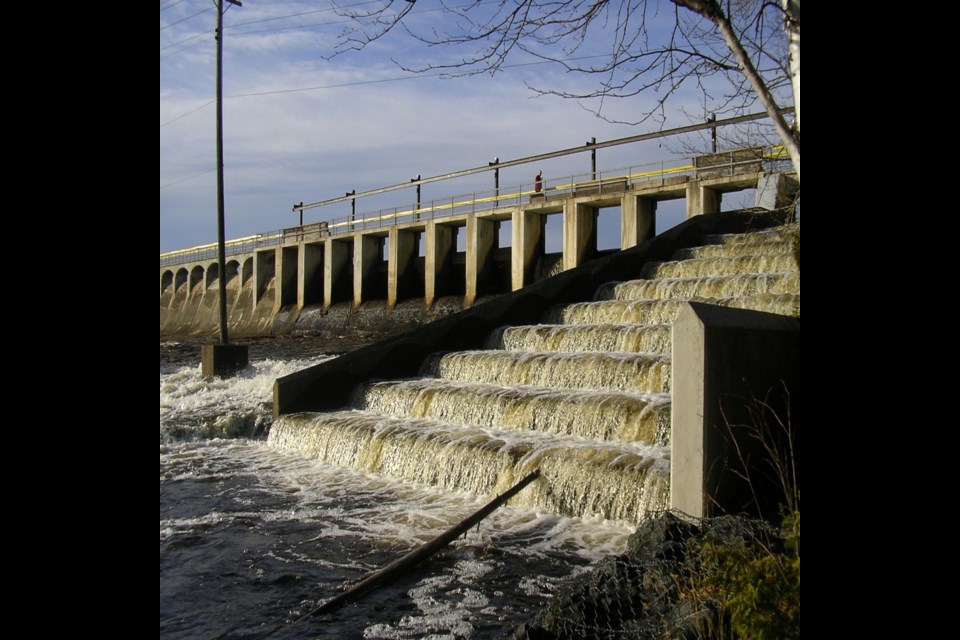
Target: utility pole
x,y
221,242
222,361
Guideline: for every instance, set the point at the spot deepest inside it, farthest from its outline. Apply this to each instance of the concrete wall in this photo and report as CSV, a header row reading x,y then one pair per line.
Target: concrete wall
x,y
735,374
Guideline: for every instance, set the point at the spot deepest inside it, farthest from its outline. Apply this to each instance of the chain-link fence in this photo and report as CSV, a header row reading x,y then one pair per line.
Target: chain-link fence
x,y
677,579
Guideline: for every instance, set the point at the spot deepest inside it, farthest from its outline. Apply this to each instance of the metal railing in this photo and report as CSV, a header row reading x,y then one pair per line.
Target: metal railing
x,y
607,181
232,247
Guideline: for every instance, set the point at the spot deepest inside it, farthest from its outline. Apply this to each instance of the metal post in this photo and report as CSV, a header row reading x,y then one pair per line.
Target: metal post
x,y
593,159
713,132
301,213
221,242
416,216
353,207
496,180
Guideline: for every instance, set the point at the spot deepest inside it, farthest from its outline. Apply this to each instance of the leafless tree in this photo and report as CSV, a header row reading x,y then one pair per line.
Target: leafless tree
x,y
738,53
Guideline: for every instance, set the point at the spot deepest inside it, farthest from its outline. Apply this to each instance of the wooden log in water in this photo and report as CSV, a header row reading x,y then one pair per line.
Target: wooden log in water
x,y
403,564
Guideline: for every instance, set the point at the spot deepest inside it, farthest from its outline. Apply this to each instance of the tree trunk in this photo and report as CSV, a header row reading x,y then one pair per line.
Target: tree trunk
x,y
791,9
711,10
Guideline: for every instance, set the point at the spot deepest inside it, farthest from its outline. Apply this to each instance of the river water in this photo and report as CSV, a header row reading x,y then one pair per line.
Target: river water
x,y
252,538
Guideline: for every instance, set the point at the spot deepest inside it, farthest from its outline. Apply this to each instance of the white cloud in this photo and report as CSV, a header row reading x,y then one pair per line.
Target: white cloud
x,y
287,146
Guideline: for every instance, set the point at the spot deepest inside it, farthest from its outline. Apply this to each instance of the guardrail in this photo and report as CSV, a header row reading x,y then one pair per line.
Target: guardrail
x,y
594,184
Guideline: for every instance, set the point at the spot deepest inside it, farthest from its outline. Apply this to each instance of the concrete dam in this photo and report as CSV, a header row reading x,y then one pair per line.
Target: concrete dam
x,y
614,378
381,273
619,374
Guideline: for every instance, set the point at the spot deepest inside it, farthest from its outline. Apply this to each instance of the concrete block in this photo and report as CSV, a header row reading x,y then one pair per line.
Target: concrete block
x,y
775,190
222,360
727,363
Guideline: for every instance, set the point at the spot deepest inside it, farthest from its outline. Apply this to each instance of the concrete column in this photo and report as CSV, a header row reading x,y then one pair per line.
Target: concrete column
x,y
210,276
481,235
579,233
439,248
366,253
701,199
527,228
726,362
287,282
402,250
775,190
310,275
264,263
335,257
638,220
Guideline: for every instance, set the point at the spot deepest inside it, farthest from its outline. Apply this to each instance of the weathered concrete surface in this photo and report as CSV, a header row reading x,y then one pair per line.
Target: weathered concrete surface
x,y
222,360
736,375
328,385
776,190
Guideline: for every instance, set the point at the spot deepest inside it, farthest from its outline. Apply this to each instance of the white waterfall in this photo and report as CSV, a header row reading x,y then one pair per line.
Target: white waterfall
x,y
584,397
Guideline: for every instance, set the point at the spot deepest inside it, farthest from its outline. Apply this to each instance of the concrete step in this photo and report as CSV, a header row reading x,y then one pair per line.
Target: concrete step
x,y
702,287
579,477
644,373
629,338
595,415
662,311
723,266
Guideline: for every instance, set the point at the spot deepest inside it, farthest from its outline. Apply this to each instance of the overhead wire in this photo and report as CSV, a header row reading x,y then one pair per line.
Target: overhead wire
x,y
167,26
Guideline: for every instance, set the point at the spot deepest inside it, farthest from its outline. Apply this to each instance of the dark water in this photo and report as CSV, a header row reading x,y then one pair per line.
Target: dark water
x,y
252,538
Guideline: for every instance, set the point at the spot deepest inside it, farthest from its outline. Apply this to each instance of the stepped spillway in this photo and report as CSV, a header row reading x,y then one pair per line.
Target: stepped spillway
x,y
584,396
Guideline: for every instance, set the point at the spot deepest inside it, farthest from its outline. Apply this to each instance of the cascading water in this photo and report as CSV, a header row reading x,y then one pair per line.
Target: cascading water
x,y
629,338
597,415
585,370
659,312
599,371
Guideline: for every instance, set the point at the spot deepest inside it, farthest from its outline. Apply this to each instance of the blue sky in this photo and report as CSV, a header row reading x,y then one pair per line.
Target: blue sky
x,y
301,126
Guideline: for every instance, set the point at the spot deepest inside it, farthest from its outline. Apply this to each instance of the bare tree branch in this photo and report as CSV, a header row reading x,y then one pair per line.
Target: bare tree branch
x,y
735,53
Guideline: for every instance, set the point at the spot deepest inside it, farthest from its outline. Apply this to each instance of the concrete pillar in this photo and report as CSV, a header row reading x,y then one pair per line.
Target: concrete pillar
x,y
366,254
400,264
196,276
701,199
527,228
264,263
638,220
246,270
335,258
210,276
775,190
729,366
579,233
481,236
439,248
287,282
310,275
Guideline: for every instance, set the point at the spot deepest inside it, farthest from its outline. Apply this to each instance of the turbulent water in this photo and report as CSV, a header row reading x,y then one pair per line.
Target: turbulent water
x,y
252,537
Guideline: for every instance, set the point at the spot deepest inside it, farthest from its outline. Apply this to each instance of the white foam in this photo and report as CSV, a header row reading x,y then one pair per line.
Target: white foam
x,y
192,406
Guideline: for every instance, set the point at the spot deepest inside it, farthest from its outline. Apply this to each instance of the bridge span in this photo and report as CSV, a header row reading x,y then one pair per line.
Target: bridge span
x,y
416,253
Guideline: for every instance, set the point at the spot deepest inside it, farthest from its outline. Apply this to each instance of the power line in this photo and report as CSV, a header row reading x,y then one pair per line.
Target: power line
x,y
169,5
305,13
356,83
170,184
185,19
193,37
184,115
